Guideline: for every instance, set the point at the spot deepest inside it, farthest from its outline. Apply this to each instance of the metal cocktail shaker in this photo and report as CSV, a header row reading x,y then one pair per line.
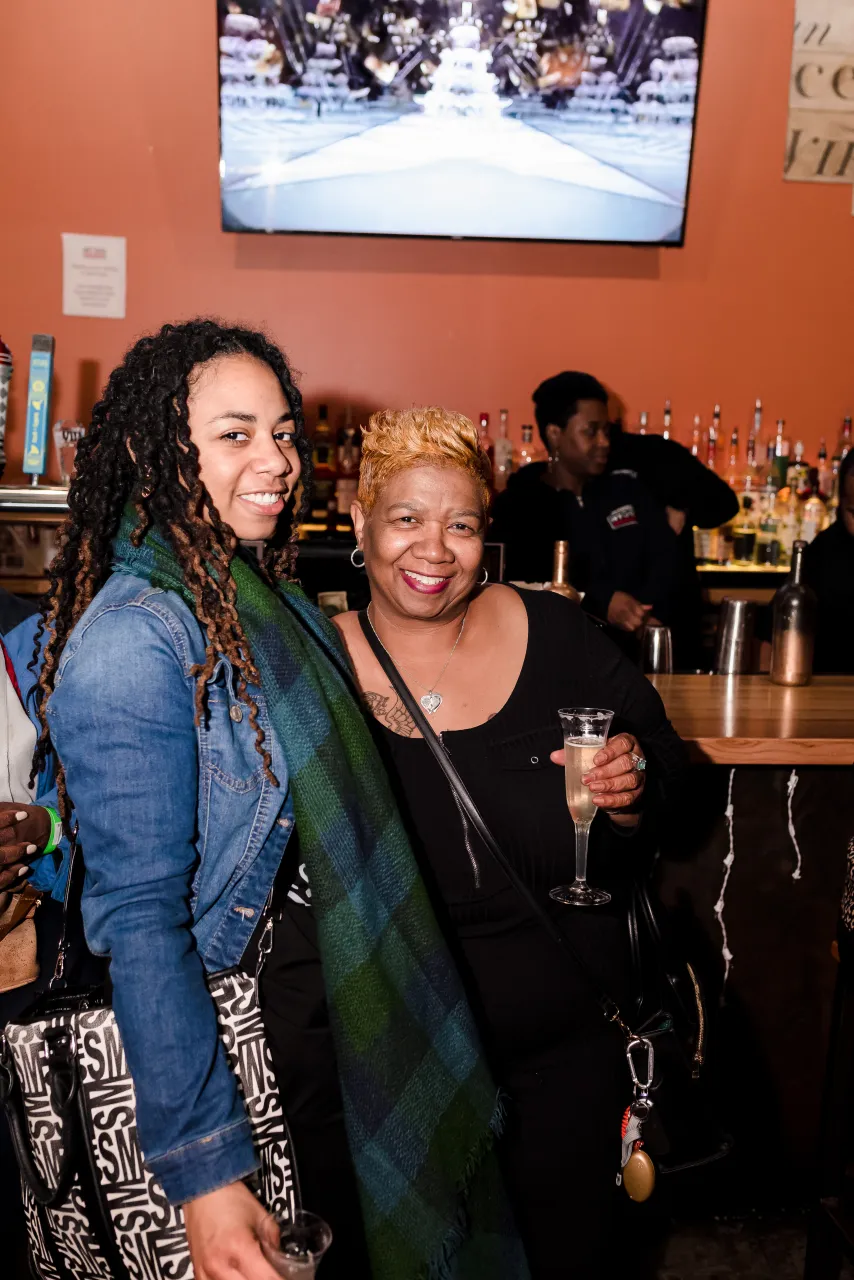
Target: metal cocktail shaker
x,y
735,637
656,650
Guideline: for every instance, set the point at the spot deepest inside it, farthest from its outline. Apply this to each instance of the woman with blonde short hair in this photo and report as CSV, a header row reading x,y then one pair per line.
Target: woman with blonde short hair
x,y
492,665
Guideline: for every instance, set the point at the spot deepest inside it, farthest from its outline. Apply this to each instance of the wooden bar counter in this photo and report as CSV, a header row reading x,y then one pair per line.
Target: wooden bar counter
x,y
734,720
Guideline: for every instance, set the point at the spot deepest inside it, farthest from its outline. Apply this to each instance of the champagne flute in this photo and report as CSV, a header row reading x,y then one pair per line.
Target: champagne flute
x,y
304,1240
585,732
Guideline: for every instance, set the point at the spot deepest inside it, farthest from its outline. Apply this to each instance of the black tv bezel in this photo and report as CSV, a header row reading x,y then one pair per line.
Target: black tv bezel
x,y
421,237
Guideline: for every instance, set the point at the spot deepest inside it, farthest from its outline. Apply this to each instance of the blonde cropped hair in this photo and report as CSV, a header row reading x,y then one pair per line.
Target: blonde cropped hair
x,y
396,439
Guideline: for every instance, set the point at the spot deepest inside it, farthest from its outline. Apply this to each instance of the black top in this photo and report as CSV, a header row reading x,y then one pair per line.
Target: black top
x,y
543,1031
829,570
619,538
530,1007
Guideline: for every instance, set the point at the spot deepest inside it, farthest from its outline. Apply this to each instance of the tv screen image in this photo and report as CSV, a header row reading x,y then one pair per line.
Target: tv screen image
x,y
491,119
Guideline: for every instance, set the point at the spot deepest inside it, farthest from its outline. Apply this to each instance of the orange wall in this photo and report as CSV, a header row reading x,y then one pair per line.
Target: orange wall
x,y
109,114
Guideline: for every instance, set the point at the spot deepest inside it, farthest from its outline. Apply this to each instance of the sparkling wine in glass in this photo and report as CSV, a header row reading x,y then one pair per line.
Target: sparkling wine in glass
x,y
302,1245
585,732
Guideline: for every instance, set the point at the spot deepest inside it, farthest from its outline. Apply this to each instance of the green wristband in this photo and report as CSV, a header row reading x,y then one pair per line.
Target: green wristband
x,y
55,829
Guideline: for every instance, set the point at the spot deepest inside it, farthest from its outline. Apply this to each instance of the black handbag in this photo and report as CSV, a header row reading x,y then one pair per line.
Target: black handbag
x,y
668,1010
94,1210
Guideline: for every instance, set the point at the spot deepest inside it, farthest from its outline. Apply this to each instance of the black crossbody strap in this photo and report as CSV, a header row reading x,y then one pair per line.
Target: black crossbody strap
x,y
608,1006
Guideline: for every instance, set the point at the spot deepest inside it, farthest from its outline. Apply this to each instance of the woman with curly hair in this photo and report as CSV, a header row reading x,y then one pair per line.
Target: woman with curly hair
x,y
216,759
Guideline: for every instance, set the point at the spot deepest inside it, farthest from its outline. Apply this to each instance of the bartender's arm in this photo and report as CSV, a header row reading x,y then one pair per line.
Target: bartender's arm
x,y
605,601
691,491
661,570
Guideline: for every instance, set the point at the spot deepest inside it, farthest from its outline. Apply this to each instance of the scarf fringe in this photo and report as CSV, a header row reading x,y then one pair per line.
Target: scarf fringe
x,y
440,1266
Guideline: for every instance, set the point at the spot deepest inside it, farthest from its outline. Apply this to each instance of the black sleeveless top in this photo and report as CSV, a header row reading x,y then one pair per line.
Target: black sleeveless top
x,y
531,1009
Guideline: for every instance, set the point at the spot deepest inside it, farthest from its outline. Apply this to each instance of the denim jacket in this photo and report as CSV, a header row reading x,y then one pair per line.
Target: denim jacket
x,y
182,835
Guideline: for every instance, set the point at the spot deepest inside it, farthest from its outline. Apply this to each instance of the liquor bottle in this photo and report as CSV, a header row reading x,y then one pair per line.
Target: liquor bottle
x,y
767,534
348,457
825,471
526,453
667,417
844,443
754,439
530,452
788,522
797,472
714,436
745,527
323,469
794,626
814,511
643,424
833,497
697,438
733,476
781,454
560,583
768,475
750,456
503,453
486,441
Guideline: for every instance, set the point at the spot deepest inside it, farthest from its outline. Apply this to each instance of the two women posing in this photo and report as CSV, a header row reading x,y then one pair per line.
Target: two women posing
x,y
208,722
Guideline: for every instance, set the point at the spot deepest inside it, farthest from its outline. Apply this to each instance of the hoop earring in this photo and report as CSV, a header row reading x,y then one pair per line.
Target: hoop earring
x,y
485,577
357,551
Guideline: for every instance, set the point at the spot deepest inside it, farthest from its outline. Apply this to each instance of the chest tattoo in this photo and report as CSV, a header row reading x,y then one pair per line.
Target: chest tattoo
x,y
391,711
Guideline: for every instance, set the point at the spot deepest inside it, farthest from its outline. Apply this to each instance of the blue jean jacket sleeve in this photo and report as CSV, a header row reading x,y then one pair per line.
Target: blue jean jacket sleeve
x,y
122,722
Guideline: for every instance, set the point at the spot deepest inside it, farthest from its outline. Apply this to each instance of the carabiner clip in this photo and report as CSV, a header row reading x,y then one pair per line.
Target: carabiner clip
x,y
640,1042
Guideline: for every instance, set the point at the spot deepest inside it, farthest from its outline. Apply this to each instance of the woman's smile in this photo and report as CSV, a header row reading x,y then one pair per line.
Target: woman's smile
x,y
269,502
426,584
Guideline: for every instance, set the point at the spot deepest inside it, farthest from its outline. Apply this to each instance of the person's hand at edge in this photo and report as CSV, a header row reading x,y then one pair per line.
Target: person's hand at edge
x,y
24,834
224,1230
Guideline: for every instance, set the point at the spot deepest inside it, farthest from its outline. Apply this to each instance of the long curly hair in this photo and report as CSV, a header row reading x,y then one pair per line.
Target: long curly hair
x,y
138,450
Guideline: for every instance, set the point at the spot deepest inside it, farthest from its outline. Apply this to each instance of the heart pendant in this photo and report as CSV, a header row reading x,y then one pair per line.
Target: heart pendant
x,y
431,702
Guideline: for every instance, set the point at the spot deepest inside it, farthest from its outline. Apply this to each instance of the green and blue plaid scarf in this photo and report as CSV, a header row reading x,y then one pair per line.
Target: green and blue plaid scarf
x,y
421,1110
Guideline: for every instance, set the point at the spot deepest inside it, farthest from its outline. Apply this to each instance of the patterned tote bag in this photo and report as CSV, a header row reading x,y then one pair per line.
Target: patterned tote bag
x,y
94,1210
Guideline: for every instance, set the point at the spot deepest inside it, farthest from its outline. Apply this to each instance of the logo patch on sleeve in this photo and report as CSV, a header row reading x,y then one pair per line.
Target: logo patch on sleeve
x,y
620,517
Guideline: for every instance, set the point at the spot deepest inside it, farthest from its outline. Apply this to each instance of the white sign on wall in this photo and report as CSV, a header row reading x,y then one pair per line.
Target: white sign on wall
x,y
94,276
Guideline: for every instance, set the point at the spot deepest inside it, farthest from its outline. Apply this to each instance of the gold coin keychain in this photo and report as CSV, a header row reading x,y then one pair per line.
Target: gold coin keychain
x,y
639,1175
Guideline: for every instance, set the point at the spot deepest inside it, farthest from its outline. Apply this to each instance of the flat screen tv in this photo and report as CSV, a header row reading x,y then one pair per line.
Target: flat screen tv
x,y
490,119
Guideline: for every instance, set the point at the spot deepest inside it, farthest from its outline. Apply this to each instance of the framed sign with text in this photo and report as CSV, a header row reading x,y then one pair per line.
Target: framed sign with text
x,y
820,138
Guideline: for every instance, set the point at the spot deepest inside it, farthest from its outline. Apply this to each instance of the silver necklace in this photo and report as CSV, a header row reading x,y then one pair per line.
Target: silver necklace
x,y
431,701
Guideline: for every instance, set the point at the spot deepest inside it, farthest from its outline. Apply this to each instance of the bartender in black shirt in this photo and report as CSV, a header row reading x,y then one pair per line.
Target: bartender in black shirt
x,y
622,549
691,494
829,570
